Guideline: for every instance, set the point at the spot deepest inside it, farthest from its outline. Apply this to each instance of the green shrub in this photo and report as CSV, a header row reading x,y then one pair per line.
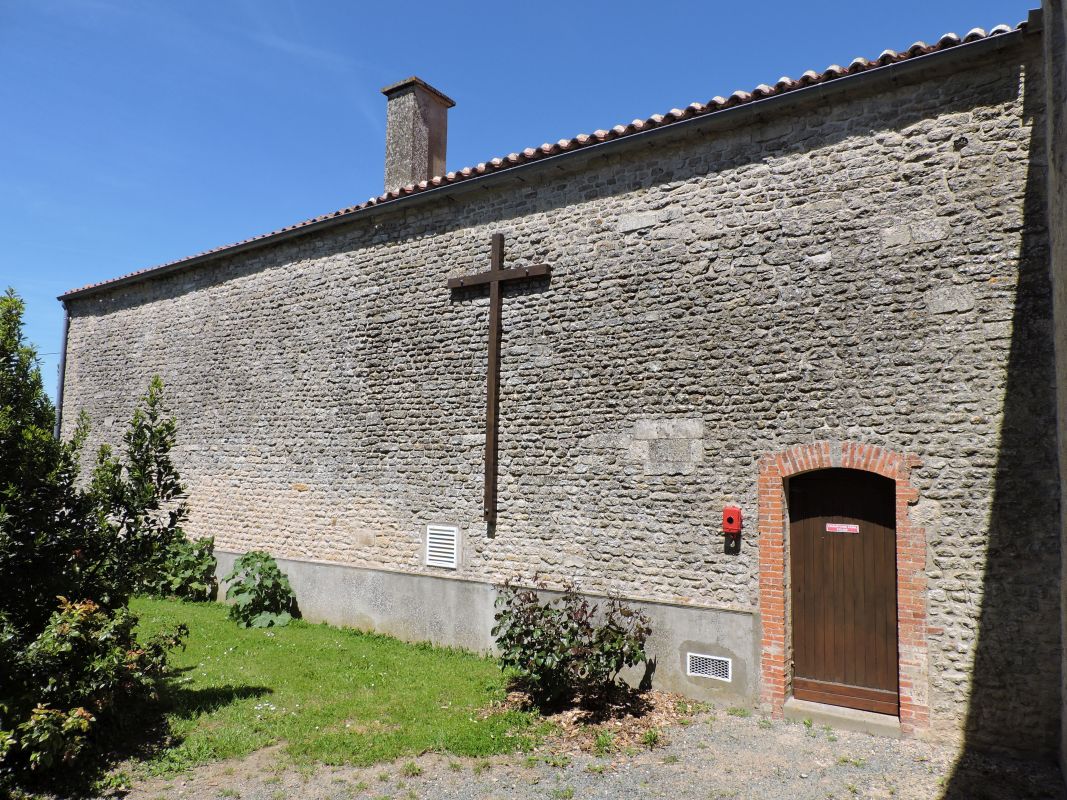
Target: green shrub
x,y
185,569
651,738
51,737
260,593
84,671
87,656
70,673
567,647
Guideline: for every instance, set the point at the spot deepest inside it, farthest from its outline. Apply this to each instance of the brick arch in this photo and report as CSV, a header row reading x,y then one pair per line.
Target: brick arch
x,y
776,649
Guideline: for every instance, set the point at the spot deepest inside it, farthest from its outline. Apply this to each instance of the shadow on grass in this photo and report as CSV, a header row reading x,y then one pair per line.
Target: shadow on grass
x,y
187,703
147,734
141,735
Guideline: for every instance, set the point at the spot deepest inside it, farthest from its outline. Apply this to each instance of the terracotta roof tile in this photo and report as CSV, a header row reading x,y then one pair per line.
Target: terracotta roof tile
x,y
783,85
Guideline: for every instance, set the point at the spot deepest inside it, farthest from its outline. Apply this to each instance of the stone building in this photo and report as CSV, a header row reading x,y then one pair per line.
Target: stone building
x,y
822,308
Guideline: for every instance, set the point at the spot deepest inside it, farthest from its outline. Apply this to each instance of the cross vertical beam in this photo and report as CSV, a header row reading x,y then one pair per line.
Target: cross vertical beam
x,y
495,276
492,378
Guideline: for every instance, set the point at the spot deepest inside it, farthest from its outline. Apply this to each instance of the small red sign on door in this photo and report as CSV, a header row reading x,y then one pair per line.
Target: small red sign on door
x,y
838,527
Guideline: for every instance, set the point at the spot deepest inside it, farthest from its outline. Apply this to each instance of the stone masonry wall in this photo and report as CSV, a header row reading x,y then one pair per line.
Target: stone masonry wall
x,y
871,268
1055,41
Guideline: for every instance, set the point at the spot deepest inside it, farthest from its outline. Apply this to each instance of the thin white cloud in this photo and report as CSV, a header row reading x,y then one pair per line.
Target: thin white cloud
x,y
290,47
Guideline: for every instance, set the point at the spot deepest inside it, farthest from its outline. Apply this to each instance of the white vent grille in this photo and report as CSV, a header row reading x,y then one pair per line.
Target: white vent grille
x,y
442,546
701,666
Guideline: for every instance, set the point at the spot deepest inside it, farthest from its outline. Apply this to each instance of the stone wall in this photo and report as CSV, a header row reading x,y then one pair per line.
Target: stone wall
x,y
870,267
1055,24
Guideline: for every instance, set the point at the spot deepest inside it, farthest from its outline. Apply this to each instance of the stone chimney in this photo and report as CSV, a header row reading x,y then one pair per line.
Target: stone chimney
x,y
416,132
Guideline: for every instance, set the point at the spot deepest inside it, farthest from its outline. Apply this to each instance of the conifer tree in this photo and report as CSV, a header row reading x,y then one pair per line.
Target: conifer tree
x,y
42,514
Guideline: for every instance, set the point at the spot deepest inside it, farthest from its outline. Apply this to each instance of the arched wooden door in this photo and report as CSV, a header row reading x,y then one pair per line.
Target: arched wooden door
x,y
842,549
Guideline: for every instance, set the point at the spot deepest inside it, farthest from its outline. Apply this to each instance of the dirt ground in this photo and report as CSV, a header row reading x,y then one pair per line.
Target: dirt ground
x,y
712,754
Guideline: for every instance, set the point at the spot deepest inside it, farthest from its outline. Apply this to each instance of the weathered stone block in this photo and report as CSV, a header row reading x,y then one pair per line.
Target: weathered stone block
x,y
636,221
896,236
678,450
949,300
685,428
933,230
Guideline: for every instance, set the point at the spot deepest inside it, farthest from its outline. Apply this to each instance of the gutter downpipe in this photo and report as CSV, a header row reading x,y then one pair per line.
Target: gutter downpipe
x,y
62,370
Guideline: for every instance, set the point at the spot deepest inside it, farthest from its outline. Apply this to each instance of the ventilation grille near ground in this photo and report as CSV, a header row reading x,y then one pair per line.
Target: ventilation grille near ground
x,y
442,546
702,666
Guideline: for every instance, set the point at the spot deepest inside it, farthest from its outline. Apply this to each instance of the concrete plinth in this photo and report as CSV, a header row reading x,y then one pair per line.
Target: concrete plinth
x,y
456,612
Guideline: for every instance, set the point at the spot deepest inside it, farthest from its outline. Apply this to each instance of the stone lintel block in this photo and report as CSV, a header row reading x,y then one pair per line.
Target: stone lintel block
x,y
678,428
918,232
638,450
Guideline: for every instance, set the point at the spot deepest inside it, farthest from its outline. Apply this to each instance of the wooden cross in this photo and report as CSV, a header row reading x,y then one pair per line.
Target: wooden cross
x,y
495,276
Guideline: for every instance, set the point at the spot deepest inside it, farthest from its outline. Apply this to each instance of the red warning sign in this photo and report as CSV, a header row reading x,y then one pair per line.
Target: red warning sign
x,y
838,527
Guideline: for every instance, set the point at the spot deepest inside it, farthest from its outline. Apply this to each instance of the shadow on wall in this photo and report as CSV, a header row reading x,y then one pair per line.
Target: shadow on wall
x,y
1015,696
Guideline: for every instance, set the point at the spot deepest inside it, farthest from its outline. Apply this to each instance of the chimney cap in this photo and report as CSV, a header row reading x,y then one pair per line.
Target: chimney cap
x,y
415,81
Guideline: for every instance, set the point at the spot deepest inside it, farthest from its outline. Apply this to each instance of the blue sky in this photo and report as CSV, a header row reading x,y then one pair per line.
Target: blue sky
x,y
134,133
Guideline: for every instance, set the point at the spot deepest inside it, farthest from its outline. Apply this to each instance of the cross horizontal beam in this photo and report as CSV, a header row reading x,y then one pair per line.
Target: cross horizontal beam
x,y
481,278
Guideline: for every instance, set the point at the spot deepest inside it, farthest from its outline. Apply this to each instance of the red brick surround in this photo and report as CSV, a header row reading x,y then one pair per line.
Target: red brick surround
x,y
775,659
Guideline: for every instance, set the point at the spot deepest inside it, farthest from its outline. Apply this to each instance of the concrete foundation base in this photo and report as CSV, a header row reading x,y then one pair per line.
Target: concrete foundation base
x,y
848,719
459,613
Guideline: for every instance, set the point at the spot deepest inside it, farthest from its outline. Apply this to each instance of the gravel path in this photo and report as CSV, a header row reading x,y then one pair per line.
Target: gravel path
x,y
716,756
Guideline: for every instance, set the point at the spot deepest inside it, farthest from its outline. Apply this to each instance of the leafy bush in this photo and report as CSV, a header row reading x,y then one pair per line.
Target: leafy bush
x,y
259,591
70,671
567,647
87,656
85,667
51,737
185,569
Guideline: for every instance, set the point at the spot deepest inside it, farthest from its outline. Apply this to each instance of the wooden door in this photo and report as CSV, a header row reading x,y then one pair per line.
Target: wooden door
x,y
842,545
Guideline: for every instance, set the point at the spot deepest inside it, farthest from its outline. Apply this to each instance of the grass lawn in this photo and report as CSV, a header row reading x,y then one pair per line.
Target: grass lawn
x,y
332,695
